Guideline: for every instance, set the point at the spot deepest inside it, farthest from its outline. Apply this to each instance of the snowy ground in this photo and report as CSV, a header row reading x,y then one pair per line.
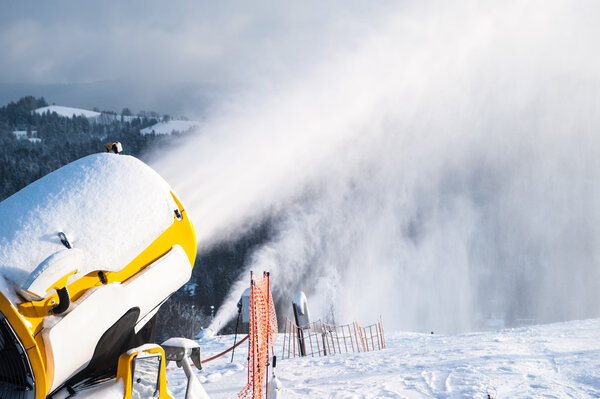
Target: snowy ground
x,y
550,361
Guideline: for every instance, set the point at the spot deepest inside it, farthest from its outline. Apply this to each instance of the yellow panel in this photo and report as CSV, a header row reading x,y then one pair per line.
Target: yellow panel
x,y
30,345
180,232
125,372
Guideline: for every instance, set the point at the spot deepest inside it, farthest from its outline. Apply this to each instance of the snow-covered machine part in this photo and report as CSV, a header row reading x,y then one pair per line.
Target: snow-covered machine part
x,y
142,373
301,313
178,348
87,255
244,304
183,351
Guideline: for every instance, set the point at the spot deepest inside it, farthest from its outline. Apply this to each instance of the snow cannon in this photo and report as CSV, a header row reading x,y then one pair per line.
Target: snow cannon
x,y
88,254
302,317
300,307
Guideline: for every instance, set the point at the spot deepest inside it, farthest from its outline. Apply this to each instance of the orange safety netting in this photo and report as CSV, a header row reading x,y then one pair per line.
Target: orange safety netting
x,y
262,335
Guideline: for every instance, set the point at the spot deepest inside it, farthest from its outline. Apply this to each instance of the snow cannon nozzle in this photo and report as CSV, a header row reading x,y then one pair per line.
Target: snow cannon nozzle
x,y
64,300
115,147
64,239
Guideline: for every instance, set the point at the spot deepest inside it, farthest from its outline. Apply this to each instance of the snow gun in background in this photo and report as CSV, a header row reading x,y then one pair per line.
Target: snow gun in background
x,y
88,254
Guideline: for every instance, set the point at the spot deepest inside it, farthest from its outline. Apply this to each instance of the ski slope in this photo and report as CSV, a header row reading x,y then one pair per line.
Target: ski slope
x,y
550,361
168,127
67,112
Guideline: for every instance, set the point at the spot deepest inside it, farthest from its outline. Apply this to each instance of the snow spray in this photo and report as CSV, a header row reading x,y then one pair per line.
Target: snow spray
x,y
439,167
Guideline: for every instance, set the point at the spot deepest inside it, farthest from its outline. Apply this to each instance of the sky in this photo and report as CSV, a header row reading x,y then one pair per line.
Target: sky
x,y
179,57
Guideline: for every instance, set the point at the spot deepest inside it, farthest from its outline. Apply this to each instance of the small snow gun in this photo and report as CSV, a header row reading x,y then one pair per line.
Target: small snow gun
x,y
88,254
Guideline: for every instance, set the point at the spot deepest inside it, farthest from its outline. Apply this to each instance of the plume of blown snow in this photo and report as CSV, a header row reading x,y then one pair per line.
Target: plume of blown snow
x,y
440,170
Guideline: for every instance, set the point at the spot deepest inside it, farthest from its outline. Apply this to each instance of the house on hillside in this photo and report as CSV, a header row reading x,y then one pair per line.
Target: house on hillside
x,y
30,135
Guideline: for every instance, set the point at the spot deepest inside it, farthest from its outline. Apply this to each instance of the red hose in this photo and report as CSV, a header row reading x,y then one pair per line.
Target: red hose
x,y
228,350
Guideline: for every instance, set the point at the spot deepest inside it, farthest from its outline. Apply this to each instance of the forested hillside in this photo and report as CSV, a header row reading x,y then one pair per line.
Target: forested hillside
x,y
33,145
52,141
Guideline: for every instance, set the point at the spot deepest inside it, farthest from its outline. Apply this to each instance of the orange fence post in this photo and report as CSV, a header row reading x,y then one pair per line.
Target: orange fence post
x,y
285,337
382,333
310,340
344,336
362,339
330,331
365,343
295,334
337,338
350,333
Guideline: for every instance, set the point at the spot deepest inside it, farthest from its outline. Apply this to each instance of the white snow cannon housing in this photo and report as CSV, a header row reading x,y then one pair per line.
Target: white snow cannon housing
x,y
88,253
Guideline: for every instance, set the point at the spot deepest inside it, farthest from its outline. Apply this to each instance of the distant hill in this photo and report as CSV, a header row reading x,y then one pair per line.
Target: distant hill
x,y
162,127
37,138
168,127
67,112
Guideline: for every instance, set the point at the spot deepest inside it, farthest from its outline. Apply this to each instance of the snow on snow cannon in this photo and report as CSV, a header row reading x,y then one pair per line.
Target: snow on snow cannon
x,y
88,254
183,351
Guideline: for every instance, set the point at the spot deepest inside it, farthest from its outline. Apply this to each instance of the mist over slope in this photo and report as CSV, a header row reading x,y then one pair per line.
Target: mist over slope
x,y
443,159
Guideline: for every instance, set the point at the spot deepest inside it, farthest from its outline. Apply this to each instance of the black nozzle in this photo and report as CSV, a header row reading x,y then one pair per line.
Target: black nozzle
x,y
64,300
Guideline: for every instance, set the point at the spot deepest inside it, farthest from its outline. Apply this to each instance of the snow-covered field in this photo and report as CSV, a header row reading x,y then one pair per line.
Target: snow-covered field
x,y
168,127
550,361
68,112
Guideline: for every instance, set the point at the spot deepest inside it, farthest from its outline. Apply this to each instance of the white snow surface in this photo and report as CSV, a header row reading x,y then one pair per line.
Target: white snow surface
x,y
168,127
67,111
549,361
181,343
110,206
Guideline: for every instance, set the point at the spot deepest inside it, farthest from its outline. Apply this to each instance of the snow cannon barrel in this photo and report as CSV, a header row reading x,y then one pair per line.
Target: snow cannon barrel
x,y
88,253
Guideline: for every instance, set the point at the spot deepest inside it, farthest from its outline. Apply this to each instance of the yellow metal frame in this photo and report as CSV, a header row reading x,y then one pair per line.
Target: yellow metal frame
x,y
27,319
125,372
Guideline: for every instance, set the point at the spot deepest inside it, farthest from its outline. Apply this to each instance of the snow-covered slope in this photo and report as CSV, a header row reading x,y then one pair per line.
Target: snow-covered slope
x,y
168,127
552,361
68,111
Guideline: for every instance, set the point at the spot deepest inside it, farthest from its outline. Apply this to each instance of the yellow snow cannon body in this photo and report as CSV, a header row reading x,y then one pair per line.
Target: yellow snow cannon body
x,y
88,254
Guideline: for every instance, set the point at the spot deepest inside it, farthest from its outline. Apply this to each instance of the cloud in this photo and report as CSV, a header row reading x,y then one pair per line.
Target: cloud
x,y
153,46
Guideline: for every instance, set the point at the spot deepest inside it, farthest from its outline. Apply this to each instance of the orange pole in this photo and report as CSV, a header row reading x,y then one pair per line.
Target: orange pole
x,y
330,332
310,340
345,344
284,338
351,342
295,334
267,274
356,337
363,336
371,332
382,333
289,339
337,339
